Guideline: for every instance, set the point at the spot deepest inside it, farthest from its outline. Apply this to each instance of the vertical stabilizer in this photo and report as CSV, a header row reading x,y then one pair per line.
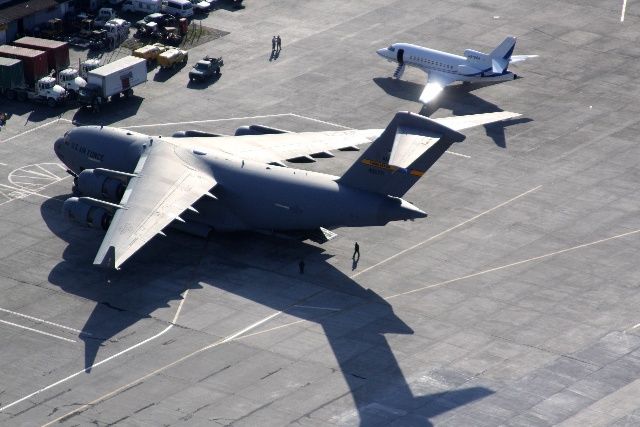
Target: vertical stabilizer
x,y
500,55
395,161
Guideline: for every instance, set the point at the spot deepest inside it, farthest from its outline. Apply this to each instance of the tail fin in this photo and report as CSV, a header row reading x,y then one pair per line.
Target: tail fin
x,y
501,55
406,149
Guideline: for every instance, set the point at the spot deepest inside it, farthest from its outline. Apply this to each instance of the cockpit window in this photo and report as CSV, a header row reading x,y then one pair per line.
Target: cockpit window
x,y
391,48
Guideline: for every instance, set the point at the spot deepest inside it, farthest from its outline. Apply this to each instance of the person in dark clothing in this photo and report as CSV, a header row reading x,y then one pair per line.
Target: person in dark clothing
x,y
273,43
278,43
356,251
301,266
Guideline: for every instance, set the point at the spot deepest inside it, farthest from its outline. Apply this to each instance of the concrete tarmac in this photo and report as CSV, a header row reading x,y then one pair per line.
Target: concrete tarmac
x,y
514,303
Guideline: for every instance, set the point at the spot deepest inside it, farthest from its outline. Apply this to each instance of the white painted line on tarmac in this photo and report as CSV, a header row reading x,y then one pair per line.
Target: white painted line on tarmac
x,y
36,331
3,164
126,350
624,9
445,231
458,154
34,129
35,319
636,326
205,121
514,264
161,369
321,121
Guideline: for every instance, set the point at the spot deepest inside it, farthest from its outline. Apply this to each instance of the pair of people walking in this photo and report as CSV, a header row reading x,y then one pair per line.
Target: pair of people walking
x,y
276,43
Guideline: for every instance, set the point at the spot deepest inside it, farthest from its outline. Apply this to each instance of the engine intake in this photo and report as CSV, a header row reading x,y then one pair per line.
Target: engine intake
x,y
100,186
86,214
258,130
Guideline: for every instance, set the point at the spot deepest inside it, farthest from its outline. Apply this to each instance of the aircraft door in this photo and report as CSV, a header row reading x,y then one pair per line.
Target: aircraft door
x,y
401,56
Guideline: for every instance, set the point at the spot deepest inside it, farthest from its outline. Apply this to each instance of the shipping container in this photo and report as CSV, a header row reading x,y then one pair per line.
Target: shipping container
x,y
34,61
11,74
57,52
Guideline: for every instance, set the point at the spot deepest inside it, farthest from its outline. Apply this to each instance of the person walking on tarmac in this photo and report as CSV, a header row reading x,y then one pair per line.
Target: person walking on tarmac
x,y
278,43
273,44
356,251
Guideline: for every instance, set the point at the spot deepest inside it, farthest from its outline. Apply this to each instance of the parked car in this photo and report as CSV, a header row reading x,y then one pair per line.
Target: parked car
x,y
162,19
206,68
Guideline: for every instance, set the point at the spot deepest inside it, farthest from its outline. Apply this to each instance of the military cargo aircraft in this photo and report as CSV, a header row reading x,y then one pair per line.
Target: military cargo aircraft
x,y
135,185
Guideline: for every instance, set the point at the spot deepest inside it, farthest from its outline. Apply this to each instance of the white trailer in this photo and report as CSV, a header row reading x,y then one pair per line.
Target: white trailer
x,y
112,80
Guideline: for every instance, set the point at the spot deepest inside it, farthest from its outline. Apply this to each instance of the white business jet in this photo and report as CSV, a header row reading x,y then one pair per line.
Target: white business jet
x,y
445,68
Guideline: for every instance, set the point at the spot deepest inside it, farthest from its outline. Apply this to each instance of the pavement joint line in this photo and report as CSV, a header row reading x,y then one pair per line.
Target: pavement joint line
x,y
26,316
206,121
513,264
37,331
162,368
318,308
402,252
120,353
624,9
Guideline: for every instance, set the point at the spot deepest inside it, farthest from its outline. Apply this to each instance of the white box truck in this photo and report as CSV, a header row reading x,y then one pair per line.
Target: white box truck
x,y
112,80
144,6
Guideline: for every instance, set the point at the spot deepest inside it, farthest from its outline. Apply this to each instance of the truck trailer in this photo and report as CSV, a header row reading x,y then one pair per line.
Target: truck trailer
x,y
112,80
57,52
13,84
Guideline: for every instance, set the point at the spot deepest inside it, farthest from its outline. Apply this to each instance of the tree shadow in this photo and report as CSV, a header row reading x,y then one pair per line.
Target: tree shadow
x,y
354,316
457,98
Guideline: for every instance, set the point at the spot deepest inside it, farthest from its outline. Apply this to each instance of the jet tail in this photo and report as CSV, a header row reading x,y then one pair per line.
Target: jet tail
x,y
407,148
501,55
404,151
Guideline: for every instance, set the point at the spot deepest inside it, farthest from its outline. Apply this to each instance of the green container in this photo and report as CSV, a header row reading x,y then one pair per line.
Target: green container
x,y
11,73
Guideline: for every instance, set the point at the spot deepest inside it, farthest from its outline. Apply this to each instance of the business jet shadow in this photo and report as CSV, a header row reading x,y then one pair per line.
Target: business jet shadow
x,y
148,282
457,98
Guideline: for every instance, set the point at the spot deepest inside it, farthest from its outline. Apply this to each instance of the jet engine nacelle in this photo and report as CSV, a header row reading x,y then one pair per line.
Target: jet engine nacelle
x,y
258,130
86,214
100,186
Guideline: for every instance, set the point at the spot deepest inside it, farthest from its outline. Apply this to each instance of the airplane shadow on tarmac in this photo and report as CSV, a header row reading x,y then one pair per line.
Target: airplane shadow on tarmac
x,y
149,281
457,98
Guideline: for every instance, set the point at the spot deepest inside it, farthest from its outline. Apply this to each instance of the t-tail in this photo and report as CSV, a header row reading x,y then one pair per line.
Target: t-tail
x,y
498,60
395,161
407,148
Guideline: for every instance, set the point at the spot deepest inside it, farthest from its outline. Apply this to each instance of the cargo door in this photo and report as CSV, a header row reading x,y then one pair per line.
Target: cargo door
x,y
126,83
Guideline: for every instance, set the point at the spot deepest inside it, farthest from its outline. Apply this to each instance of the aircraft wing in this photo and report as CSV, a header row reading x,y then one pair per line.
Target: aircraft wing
x,y
275,148
166,183
435,83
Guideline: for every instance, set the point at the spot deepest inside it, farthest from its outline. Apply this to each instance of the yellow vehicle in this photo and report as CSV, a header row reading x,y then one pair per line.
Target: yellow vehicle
x,y
173,57
149,52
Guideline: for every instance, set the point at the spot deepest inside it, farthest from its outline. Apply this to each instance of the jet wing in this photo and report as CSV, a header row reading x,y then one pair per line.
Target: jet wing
x,y
167,181
435,83
275,148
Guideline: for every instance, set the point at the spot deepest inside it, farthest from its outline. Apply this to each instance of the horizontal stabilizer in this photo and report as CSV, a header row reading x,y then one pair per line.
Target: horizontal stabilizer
x,y
520,58
473,120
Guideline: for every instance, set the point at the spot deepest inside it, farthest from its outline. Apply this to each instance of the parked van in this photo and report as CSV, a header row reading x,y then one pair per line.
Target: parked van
x,y
179,8
144,6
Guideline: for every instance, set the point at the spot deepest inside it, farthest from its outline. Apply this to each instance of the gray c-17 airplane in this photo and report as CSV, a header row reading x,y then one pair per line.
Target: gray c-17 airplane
x,y
134,185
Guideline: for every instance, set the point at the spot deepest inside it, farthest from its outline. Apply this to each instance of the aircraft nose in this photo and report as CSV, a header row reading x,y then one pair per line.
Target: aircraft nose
x,y
382,52
57,146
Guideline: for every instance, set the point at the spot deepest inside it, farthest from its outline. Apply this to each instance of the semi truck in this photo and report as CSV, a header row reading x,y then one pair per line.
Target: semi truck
x,y
112,80
22,78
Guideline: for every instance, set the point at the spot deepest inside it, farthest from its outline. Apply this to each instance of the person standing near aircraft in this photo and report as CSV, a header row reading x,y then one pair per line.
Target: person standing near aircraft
x,y
278,43
356,251
273,44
